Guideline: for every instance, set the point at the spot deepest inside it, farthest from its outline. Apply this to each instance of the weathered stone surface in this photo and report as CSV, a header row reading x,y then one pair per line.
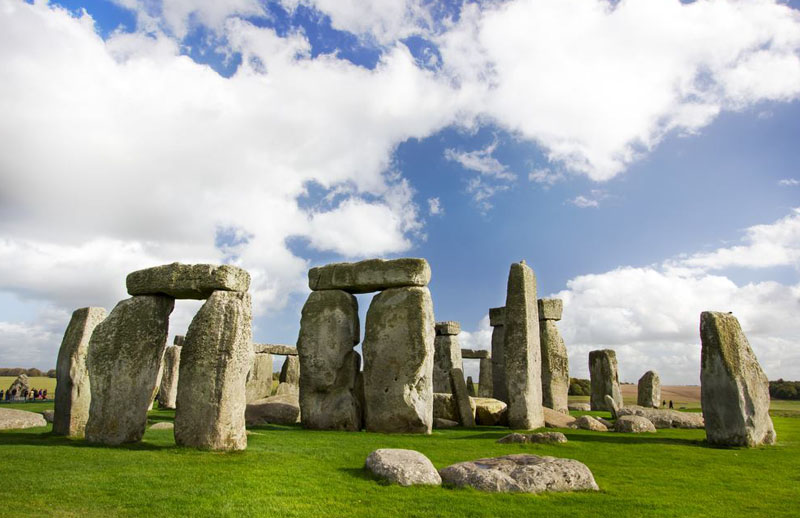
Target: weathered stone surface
x,y
215,359
470,387
550,309
287,388
475,354
445,407
649,390
485,378
404,467
587,422
278,409
733,388
290,371
258,383
168,388
444,423
499,390
604,377
162,425
497,316
665,418
555,419
329,329
283,350
579,407
123,362
463,401
521,350
398,361
12,419
605,422
187,281
490,412
73,392
370,275
521,473
49,414
555,366
449,327
547,438
634,424
19,387
612,406
514,438
447,355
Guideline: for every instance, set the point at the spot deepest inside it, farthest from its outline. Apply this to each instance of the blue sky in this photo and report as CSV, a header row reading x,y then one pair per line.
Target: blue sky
x,y
642,159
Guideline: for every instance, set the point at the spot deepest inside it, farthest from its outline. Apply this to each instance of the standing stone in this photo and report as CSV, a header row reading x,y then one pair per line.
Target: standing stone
x,y
447,355
259,378
290,371
649,390
734,390
73,393
604,378
329,329
158,382
497,319
461,395
215,359
398,361
521,349
19,387
470,387
555,362
123,361
485,378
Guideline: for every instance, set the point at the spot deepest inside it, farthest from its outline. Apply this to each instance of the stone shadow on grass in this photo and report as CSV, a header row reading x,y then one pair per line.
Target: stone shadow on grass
x,y
634,439
49,439
362,474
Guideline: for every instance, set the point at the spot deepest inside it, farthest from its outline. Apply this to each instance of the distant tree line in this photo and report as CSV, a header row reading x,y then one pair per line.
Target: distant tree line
x,y
784,389
579,387
16,371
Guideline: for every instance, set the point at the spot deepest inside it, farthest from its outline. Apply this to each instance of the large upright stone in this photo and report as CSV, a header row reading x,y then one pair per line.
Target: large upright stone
x,y
371,275
168,389
604,378
259,379
521,350
555,362
290,371
215,359
733,388
447,355
188,281
73,393
398,361
123,361
485,378
461,395
329,329
649,390
497,319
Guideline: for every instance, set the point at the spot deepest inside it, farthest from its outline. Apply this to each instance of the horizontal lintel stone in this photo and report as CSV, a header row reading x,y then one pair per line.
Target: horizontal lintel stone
x,y
550,309
473,354
497,316
370,275
285,350
188,281
449,327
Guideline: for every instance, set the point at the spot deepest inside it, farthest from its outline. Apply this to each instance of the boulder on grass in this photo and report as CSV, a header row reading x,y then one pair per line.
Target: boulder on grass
x,y
634,424
489,411
12,419
404,467
163,425
283,409
547,438
514,438
587,422
444,423
554,419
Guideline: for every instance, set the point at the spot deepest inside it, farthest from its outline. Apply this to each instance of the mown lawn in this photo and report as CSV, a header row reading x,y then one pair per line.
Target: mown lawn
x,y
287,471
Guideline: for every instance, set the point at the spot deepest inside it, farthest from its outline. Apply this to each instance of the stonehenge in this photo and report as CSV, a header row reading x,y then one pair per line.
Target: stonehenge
x,y
73,395
290,370
168,388
733,388
258,384
604,378
648,393
497,319
555,363
447,355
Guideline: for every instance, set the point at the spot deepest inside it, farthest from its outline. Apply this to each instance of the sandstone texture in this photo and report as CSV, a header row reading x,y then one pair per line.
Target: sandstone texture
x,y
283,350
123,362
445,407
448,327
604,378
485,378
514,438
497,318
733,388
279,409
522,351
490,412
463,401
475,354
555,366
329,329
371,275
12,419
398,361
447,355
555,419
258,383
634,424
404,467
649,390
188,281
580,407
550,309
168,388
73,392
537,438
587,422
287,388
664,418
521,473
290,371
215,359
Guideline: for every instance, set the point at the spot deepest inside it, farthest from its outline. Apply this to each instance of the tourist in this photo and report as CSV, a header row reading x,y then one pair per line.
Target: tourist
x,y
670,403
1,394
44,394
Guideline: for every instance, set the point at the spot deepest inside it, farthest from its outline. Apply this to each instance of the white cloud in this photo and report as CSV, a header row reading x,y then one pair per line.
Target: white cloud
x,y
590,201
435,207
176,16
481,161
546,177
789,182
481,340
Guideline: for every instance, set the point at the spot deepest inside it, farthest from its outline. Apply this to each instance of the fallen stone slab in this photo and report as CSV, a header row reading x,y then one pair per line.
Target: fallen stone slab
x,y
634,424
404,467
587,422
187,281
665,418
279,349
554,419
12,419
283,409
490,412
444,423
521,473
162,425
580,407
547,438
370,275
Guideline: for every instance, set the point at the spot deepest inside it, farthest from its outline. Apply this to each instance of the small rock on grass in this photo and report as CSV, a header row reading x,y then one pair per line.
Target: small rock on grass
x,y
404,467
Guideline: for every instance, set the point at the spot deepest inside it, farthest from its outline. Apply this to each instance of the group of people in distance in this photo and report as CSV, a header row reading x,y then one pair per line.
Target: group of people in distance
x,y
24,395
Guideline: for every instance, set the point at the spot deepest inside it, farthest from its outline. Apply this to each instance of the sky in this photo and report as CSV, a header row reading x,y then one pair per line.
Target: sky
x,y
640,155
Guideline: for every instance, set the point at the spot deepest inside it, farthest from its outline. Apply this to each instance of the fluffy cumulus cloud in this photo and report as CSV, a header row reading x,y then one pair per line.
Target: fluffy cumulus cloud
x,y
651,315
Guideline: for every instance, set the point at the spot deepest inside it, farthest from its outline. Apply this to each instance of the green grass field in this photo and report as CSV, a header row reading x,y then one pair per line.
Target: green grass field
x,y
287,471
